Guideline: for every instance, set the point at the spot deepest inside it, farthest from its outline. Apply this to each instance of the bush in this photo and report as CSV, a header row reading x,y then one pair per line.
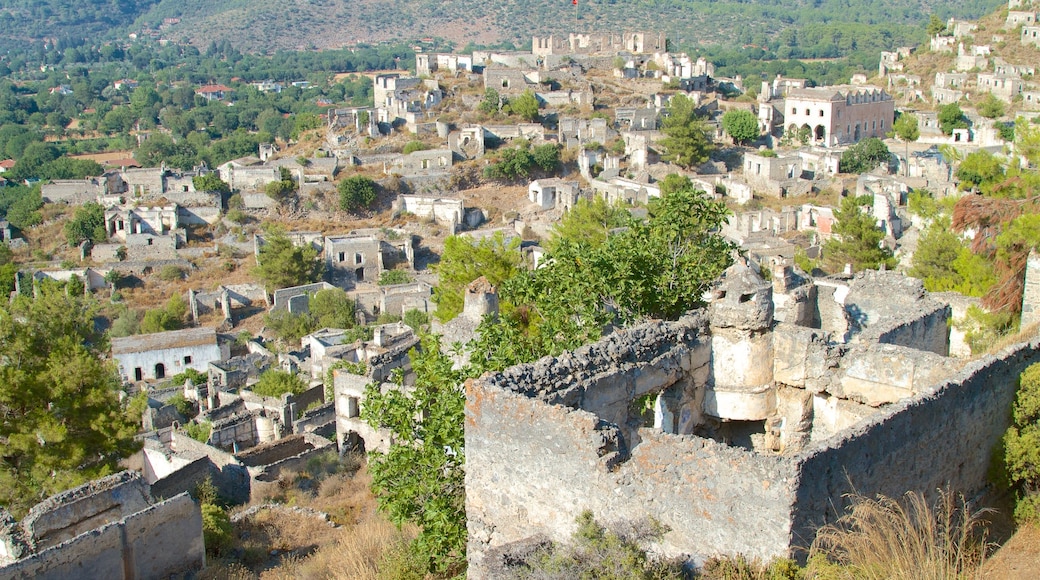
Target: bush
x,y
1019,453
391,277
216,530
275,383
199,431
186,408
197,377
416,319
356,192
413,146
170,272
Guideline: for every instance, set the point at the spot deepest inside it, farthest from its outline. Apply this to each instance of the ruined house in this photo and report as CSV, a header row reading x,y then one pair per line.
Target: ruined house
x,y
164,354
577,43
361,256
106,528
576,132
740,434
778,176
553,193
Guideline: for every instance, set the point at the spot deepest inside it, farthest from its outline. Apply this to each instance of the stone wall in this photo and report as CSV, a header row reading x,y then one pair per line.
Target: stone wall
x,y
154,542
943,437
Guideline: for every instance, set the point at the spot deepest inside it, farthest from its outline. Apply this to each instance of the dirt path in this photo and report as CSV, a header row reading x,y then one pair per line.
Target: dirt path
x,y
1017,559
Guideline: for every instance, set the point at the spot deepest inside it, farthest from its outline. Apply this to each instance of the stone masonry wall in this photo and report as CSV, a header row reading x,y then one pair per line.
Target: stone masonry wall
x,y
525,437
943,437
156,542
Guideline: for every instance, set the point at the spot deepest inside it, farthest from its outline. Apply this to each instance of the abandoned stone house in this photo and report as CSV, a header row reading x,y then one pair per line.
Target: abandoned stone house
x,y
248,174
395,300
507,81
739,428
839,115
554,193
126,220
422,162
428,63
398,97
107,528
1031,35
1020,17
361,256
779,176
1002,86
576,132
164,354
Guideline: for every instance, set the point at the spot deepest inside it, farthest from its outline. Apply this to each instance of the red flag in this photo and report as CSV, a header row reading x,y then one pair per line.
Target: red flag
x,y
575,2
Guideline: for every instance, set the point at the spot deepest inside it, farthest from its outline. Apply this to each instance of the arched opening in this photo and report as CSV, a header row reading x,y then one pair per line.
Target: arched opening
x,y
821,133
855,135
160,371
805,133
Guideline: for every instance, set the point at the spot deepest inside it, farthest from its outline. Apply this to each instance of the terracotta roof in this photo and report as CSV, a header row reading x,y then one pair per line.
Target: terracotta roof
x,y
126,162
164,340
213,89
7,163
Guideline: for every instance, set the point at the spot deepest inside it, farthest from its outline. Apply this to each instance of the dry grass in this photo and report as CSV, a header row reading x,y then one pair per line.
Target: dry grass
x,y
912,540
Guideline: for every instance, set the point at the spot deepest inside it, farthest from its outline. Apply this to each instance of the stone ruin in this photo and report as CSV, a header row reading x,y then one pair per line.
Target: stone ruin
x,y
107,528
739,427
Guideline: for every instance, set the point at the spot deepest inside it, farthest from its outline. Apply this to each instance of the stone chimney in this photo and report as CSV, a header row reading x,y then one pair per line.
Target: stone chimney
x,y
481,299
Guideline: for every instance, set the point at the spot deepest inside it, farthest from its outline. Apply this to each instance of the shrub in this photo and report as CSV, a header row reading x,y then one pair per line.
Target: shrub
x,y
197,377
1019,453
185,407
170,272
413,146
216,530
391,277
199,431
275,383
416,319
356,192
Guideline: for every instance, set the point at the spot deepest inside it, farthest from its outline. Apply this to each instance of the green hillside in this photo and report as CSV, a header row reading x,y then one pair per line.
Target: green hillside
x,y
809,28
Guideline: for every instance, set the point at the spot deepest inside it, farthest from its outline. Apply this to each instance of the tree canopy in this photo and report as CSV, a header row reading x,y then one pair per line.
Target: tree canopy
x,y
283,265
740,124
464,260
88,223
356,192
63,423
687,140
857,238
951,117
864,156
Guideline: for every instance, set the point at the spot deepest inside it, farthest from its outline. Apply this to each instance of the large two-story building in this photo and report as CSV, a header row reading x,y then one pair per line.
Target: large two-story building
x,y
838,115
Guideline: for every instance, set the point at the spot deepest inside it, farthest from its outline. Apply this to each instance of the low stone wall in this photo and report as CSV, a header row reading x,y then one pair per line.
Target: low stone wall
x,y
155,542
289,454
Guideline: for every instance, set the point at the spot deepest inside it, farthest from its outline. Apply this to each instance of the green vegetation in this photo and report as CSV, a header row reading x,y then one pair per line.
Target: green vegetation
x,y
275,383
329,308
391,277
64,422
416,319
590,221
88,223
598,552
197,377
421,478
186,408
1019,453
524,106
210,182
283,265
991,107
217,533
356,192
864,156
199,431
951,117
464,260
687,139
413,146
169,317
516,162
740,124
857,238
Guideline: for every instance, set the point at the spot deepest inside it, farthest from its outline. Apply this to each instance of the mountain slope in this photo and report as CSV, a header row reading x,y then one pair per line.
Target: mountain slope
x,y
262,25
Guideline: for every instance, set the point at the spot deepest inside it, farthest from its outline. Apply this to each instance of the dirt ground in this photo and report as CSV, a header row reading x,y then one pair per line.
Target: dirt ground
x,y
1017,559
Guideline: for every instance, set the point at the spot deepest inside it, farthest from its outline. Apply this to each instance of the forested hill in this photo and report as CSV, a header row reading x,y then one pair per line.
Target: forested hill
x,y
814,28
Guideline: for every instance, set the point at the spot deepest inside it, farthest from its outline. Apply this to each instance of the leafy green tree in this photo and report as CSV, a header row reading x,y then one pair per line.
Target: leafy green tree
x,y
420,479
588,222
290,327
935,26
88,223
980,170
210,182
464,260
491,103
283,265
687,140
525,106
63,421
905,128
864,156
512,164
276,382
951,117
857,239
991,107
740,124
356,192
283,188
546,157
332,308
944,262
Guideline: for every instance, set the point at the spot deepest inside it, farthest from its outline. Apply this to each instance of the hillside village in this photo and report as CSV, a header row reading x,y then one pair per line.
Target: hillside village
x,y
740,427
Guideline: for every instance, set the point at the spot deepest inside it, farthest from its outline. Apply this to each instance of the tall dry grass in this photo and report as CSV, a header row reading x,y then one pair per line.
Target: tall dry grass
x,y
911,539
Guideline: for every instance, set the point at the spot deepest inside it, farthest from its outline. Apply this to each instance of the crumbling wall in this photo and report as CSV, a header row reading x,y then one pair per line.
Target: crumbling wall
x,y
154,542
943,437
534,462
70,513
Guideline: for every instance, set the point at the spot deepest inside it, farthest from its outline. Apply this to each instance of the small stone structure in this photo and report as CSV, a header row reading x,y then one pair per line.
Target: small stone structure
x,y
107,528
738,433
